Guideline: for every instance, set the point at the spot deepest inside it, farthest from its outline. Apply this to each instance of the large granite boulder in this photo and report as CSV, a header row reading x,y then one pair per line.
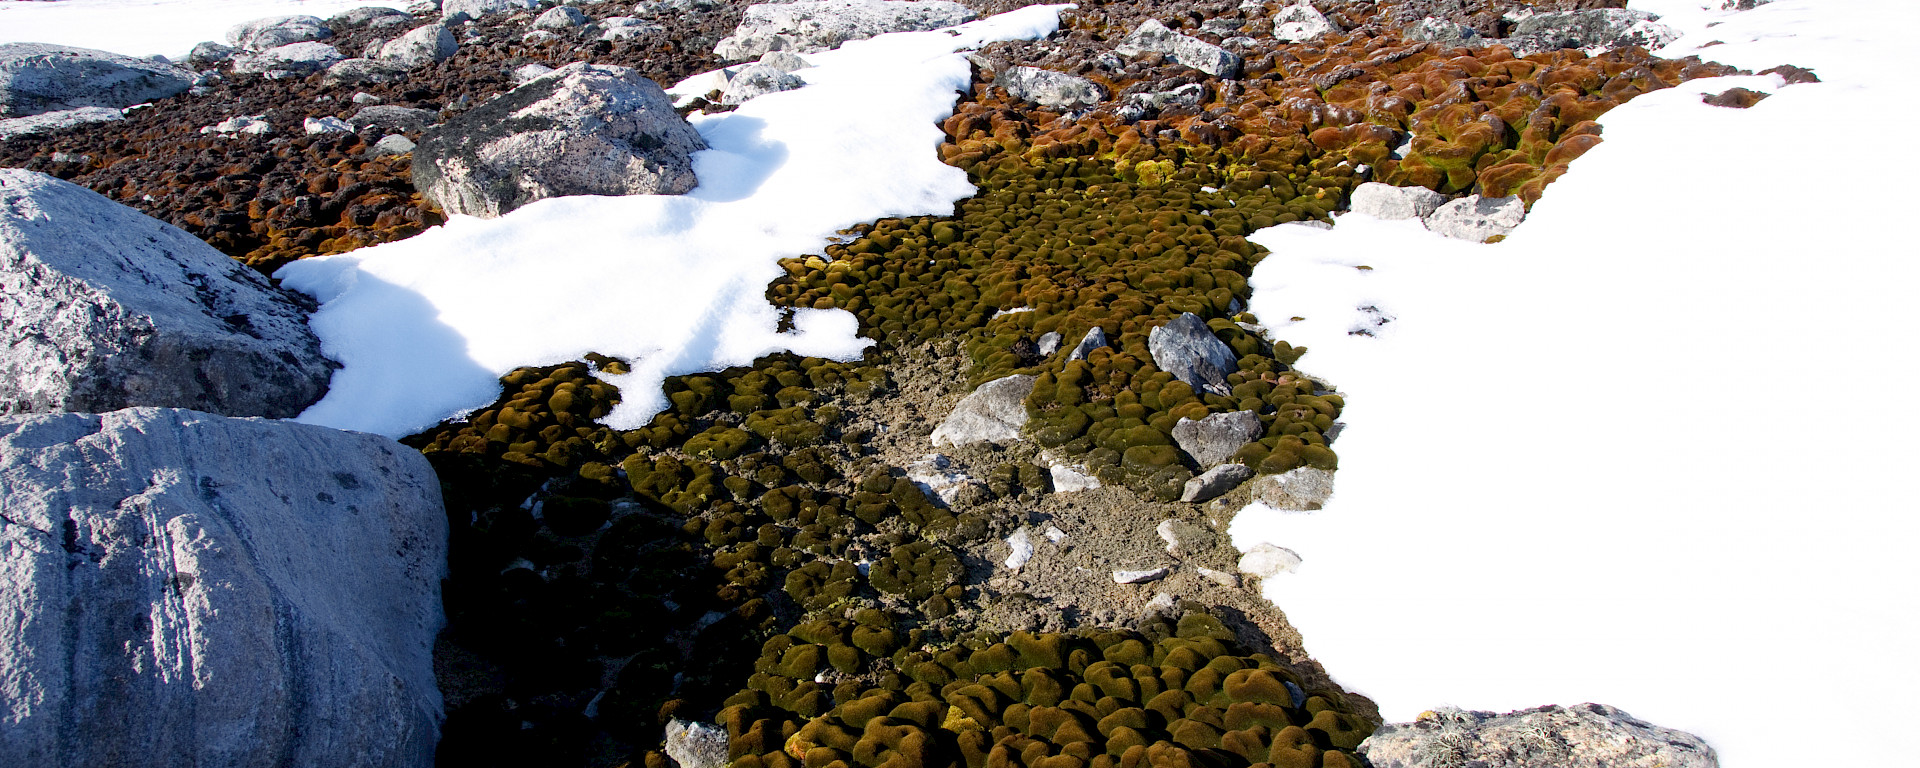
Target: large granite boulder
x,y
993,413
584,129
1582,736
1154,37
103,308
293,59
276,31
430,44
1049,88
188,589
1593,28
1187,348
38,77
812,26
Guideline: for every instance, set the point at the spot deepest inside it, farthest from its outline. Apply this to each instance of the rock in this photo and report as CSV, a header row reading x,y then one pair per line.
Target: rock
x,y
758,80
992,413
392,145
1215,438
54,122
1154,37
785,61
1742,5
696,745
363,98
1056,535
1187,348
944,488
1068,479
209,54
812,26
1734,98
423,8
1299,23
585,129
1020,547
627,28
1477,218
1141,106
107,308
1185,539
1267,561
1049,343
1215,482
314,125
561,17
360,71
37,78
1603,28
1222,578
1432,30
275,31
526,73
1302,489
456,11
1095,339
297,59
253,125
392,118
372,16
1581,736
184,588
430,44
1385,201
1139,577
1050,89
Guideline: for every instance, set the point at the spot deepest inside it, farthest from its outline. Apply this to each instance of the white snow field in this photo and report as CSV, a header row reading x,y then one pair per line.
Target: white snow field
x,y
676,284
1657,448
145,27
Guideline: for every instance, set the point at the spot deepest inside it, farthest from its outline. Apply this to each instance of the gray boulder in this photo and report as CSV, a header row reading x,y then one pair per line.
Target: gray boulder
x,y
394,119
1597,28
696,745
1477,218
820,25
1049,343
1386,201
1095,339
527,73
1299,23
1215,482
361,71
1581,736
758,80
37,77
295,59
107,308
1302,489
54,122
1140,106
785,61
1214,439
1187,348
665,7
585,129
188,589
1153,37
1432,30
993,413
276,31
456,11
371,16
392,145
615,28
560,17
430,44
1050,89
209,53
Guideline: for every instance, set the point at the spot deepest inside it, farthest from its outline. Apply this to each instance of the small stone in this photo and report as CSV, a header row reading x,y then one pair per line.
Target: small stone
x,y
1222,578
395,144
1266,561
1049,343
1139,577
1095,339
1385,201
759,80
1056,535
785,61
1185,539
993,413
1187,348
560,17
527,72
1475,218
696,745
314,125
1066,479
363,98
1162,603
1215,482
1021,545
1217,437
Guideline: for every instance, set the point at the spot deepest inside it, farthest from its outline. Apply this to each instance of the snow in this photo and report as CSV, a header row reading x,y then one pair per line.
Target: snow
x,y
1653,449
675,284
146,27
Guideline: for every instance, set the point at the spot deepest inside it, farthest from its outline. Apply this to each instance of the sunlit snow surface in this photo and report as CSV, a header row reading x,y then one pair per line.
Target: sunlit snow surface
x,y
147,27
1657,448
677,284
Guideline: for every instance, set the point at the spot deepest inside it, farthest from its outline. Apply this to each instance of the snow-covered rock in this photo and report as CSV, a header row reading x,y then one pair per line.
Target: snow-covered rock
x,y
1215,482
1477,218
811,26
1299,23
1049,88
585,129
37,77
1214,438
107,308
758,80
1154,37
180,586
1386,201
275,31
54,122
993,413
429,44
1187,348
295,58
1580,736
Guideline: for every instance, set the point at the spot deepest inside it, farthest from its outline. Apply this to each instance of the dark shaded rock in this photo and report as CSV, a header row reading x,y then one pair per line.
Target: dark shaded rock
x,y
37,77
1581,736
1187,348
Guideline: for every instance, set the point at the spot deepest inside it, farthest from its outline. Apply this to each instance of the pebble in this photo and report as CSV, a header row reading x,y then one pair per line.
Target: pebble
x,y
1139,577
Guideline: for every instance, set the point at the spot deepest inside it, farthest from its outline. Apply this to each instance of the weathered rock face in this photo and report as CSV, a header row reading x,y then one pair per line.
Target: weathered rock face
x,y
1214,439
993,413
1596,28
106,308
183,588
37,77
820,25
1582,736
696,745
456,11
54,122
1385,201
1095,339
1050,89
295,58
1478,218
585,129
1153,37
276,31
759,80
1434,30
1187,348
427,45
1215,482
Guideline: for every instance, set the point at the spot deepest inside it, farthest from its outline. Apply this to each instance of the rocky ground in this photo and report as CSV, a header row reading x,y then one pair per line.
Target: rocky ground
x,y
762,554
